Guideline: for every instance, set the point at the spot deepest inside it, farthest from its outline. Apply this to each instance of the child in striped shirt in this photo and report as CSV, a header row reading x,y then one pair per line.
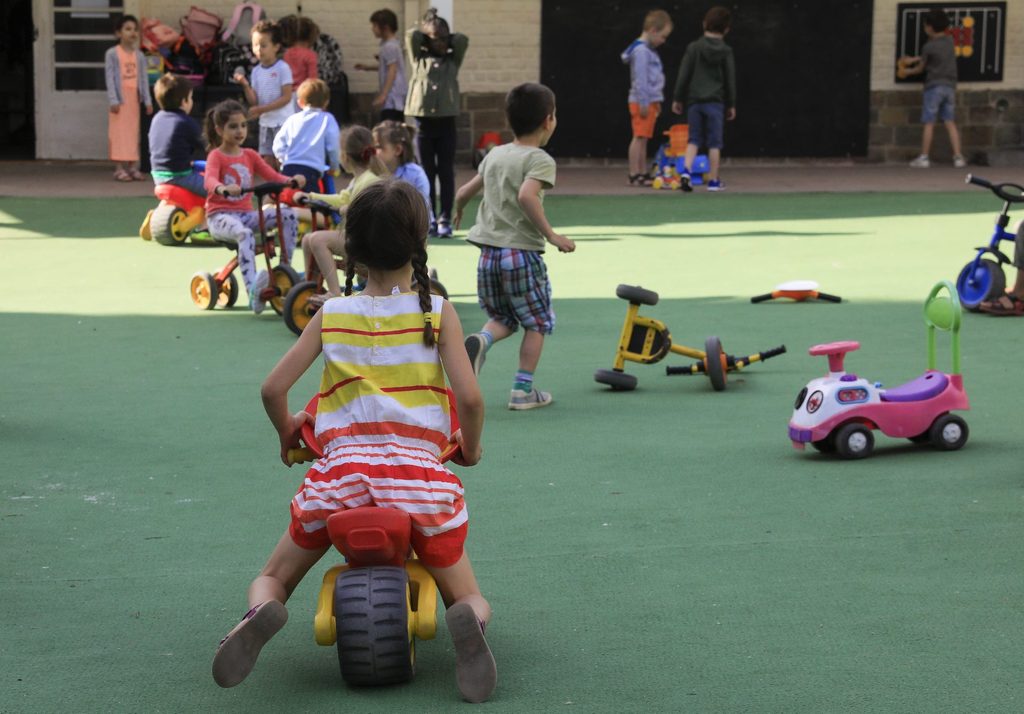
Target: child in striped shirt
x,y
383,421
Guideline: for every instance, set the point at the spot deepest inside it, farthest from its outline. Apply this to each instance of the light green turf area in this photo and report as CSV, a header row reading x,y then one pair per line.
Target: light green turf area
x,y
660,550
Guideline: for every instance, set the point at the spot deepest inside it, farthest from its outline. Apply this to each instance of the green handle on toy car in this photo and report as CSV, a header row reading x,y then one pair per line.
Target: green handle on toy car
x,y
943,313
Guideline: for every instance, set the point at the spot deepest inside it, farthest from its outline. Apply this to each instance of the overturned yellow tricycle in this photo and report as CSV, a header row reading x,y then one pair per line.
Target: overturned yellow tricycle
x,y
646,340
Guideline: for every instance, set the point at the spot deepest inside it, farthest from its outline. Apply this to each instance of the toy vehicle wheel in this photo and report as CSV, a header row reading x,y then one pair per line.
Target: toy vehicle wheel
x,y
986,282
854,441
227,296
284,278
297,310
437,288
714,363
164,224
949,432
618,381
636,294
826,445
371,610
203,290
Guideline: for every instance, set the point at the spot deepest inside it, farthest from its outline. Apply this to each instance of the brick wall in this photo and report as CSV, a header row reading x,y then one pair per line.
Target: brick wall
x,y
990,115
504,48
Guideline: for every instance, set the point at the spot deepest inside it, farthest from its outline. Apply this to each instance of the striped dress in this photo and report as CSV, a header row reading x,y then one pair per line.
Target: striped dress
x,y
382,417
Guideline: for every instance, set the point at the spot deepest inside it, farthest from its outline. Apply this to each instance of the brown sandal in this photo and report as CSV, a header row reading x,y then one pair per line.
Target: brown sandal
x,y
1007,305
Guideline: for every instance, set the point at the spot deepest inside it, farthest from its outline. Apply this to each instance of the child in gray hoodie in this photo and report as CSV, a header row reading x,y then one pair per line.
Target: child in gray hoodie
x,y
707,84
646,87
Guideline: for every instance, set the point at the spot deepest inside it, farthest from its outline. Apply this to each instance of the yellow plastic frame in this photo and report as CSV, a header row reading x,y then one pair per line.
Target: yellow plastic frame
x,y
421,601
647,354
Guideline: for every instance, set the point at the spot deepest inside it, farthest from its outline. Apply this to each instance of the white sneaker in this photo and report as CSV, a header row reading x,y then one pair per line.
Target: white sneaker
x,y
959,161
921,162
519,400
259,285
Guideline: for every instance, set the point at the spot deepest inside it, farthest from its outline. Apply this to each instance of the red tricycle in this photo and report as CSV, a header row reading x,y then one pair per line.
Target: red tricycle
x,y
209,290
180,215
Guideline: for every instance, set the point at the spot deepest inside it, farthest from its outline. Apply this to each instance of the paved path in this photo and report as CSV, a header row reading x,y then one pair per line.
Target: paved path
x,y
94,179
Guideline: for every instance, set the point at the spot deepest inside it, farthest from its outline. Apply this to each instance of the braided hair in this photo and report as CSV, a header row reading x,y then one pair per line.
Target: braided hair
x,y
385,228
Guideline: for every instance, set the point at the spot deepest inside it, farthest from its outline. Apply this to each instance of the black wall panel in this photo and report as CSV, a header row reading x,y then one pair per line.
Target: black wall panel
x,y
802,74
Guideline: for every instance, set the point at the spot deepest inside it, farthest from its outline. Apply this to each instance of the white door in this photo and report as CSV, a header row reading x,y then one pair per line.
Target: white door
x,y
71,99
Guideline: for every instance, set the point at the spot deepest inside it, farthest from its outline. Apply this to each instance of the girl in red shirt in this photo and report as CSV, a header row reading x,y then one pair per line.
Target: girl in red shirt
x,y
231,173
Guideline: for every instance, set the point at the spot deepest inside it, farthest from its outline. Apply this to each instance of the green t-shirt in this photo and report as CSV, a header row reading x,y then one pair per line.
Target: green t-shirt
x,y
500,222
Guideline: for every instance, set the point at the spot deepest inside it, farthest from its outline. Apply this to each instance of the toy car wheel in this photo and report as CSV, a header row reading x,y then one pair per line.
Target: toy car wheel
x,y
371,610
618,381
203,290
826,445
636,294
297,310
714,363
949,432
854,441
227,296
165,224
985,282
283,278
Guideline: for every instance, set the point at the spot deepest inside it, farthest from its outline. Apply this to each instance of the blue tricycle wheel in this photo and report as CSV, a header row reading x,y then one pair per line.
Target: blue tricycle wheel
x,y
980,282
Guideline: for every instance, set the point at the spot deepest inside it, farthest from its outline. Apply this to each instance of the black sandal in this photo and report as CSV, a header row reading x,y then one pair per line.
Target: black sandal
x,y
640,179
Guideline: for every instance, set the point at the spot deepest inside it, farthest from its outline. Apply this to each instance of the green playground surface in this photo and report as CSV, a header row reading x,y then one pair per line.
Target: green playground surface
x,y
658,550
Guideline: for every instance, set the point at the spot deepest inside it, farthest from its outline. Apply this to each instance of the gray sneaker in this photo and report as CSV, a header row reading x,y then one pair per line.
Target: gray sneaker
x,y
533,399
476,349
259,285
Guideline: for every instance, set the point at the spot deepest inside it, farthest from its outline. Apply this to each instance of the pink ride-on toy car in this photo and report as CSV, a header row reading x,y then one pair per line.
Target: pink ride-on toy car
x,y
838,412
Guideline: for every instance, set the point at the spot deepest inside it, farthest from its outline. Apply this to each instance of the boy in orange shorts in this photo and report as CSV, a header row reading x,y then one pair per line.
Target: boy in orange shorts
x,y
646,87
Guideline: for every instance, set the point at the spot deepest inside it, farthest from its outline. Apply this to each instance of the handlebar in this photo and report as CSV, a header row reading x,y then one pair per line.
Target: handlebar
x,y
273,187
999,189
316,206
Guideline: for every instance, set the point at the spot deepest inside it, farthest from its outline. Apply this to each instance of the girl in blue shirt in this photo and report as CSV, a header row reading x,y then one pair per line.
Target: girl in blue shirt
x,y
394,143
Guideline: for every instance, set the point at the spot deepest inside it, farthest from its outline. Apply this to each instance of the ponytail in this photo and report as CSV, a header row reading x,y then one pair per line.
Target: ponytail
x,y
419,271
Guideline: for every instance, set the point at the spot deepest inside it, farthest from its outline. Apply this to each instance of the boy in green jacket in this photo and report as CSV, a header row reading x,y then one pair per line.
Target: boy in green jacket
x,y
707,85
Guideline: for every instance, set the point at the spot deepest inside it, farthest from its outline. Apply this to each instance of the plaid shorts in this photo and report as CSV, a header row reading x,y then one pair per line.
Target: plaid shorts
x,y
513,288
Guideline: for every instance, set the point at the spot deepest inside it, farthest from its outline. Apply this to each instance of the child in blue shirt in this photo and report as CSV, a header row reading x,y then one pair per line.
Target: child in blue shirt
x,y
394,143
310,138
174,136
646,90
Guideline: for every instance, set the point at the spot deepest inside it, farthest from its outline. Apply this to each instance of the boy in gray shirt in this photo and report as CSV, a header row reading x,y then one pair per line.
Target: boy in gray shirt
x,y
938,63
512,233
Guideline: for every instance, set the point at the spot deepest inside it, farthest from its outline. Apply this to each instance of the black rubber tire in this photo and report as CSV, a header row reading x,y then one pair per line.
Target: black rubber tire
x,y
636,294
713,363
162,223
228,294
971,298
618,381
296,306
854,441
826,445
203,290
948,432
371,613
284,278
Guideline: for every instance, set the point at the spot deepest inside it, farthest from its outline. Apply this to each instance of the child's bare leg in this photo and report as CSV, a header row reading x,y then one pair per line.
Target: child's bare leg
x,y
498,330
714,160
690,156
529,350
954,137
323,245
237,653
637,154
467,616
926,138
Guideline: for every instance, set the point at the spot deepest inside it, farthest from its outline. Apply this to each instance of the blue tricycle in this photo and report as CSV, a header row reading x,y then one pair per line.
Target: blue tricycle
x,y
983,279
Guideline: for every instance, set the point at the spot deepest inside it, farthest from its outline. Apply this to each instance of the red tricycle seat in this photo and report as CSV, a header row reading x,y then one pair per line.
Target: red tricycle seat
x,y
181,197
370,535
928,385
